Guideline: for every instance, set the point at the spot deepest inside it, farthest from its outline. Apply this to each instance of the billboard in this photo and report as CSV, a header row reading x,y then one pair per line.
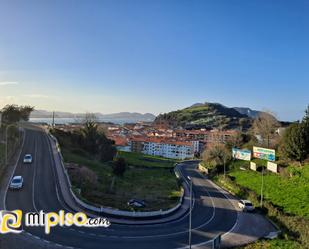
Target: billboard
x,y
253,166
272,167
263,153
241,154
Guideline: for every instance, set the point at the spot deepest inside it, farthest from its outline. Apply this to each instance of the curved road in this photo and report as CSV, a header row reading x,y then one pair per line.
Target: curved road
x,y
213,212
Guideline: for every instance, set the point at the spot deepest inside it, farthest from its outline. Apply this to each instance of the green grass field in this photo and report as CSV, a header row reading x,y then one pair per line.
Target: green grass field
x,y
142,160
157,186
289,191
273,244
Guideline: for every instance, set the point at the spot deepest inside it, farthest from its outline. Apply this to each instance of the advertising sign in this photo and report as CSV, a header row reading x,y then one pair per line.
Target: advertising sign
x,y
241,154
263,153
253,166
272,167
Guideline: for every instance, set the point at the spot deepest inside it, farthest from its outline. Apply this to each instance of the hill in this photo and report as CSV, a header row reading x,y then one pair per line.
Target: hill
x,y
128,116
247,111
207,115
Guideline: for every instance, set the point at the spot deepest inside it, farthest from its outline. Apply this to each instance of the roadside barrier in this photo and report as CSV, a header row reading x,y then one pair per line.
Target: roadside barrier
x,y
112,211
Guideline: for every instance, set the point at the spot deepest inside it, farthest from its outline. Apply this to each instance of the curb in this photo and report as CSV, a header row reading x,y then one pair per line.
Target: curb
x,y
111,211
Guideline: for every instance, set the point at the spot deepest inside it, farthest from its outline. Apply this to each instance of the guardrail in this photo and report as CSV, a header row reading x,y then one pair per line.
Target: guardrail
x,y
112,211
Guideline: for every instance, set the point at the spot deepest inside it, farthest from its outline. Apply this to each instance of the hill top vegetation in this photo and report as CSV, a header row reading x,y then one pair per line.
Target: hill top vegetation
x,y
208,115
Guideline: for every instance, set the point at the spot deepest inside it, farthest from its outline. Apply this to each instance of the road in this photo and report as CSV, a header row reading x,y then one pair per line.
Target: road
x,y
213,211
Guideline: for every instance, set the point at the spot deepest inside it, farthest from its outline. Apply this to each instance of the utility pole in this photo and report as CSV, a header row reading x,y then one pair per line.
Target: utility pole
x,y
53,122
224,168
190,214
262,186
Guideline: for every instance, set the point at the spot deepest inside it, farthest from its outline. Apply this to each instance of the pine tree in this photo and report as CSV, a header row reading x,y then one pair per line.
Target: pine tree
x,y
305,124
294,142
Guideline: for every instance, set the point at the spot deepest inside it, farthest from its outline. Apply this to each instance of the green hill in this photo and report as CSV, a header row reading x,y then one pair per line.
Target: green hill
x,y
207,115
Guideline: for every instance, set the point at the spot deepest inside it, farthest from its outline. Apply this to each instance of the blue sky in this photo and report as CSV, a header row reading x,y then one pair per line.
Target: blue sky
x,y
155,56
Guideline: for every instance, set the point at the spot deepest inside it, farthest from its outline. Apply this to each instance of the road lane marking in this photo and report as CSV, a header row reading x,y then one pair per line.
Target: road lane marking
x,y
56,180
14,169
34,174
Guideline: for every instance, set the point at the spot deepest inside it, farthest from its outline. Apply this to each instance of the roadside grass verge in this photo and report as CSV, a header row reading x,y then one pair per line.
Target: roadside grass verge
x,y
142,160
158,187
272,244
285,203
289,192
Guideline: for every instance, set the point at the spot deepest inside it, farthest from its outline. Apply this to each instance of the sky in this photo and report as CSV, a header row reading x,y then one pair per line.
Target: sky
x,y
155,56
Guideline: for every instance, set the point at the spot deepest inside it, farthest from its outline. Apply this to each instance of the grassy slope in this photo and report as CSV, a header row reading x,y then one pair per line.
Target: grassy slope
x,y
158,187
138,159
273,244
290,193
209,114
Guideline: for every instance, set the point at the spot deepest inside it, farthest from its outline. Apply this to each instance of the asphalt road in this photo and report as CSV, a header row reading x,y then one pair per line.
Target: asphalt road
x,y
213,213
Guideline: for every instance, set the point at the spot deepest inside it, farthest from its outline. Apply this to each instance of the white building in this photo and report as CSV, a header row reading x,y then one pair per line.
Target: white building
x,y
164,148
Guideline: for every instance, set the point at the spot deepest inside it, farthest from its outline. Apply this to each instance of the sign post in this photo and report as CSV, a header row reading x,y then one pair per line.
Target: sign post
x,y
217,242
264,154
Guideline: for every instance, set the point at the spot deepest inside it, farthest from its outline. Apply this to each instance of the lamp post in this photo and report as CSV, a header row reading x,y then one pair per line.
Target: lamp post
x,y
262,186
190,213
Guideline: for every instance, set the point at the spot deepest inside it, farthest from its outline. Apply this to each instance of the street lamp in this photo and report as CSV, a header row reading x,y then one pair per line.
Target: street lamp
x,y
190,214
262,186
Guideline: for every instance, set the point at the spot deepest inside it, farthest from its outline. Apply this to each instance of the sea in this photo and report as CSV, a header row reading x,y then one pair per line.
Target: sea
x,y
79,120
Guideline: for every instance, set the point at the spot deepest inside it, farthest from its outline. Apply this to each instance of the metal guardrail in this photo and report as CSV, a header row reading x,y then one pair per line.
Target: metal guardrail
x,y
113,211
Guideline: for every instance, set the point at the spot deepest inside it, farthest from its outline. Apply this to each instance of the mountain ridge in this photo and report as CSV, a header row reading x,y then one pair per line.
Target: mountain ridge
x,y
206,115
135,116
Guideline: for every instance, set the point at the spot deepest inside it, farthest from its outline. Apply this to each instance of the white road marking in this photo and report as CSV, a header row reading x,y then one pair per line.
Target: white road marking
x,y
152,236
34,175
14,169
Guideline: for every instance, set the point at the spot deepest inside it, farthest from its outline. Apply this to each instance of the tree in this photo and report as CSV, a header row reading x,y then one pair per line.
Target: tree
x,y
94,140
293,144
265,125
107,150
119,166
235,140
11,114
25,112
218,155
90,134
14,113
305,123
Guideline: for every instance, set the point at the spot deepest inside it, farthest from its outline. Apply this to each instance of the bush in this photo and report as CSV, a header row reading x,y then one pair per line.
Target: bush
x,y
119,166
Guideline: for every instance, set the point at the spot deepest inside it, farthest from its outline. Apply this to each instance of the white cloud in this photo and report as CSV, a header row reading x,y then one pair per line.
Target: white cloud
x,y
7,83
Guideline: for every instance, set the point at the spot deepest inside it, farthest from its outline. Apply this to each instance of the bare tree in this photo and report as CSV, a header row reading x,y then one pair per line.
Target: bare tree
x,y
217,155
265,125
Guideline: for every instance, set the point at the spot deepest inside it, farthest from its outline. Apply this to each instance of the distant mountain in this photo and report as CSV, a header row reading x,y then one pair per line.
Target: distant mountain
x,y
247,111
206,115
125,116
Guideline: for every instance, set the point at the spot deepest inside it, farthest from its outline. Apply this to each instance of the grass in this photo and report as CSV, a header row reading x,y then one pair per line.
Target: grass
x,y
286,196
157,186
290,192
273,244
142,160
